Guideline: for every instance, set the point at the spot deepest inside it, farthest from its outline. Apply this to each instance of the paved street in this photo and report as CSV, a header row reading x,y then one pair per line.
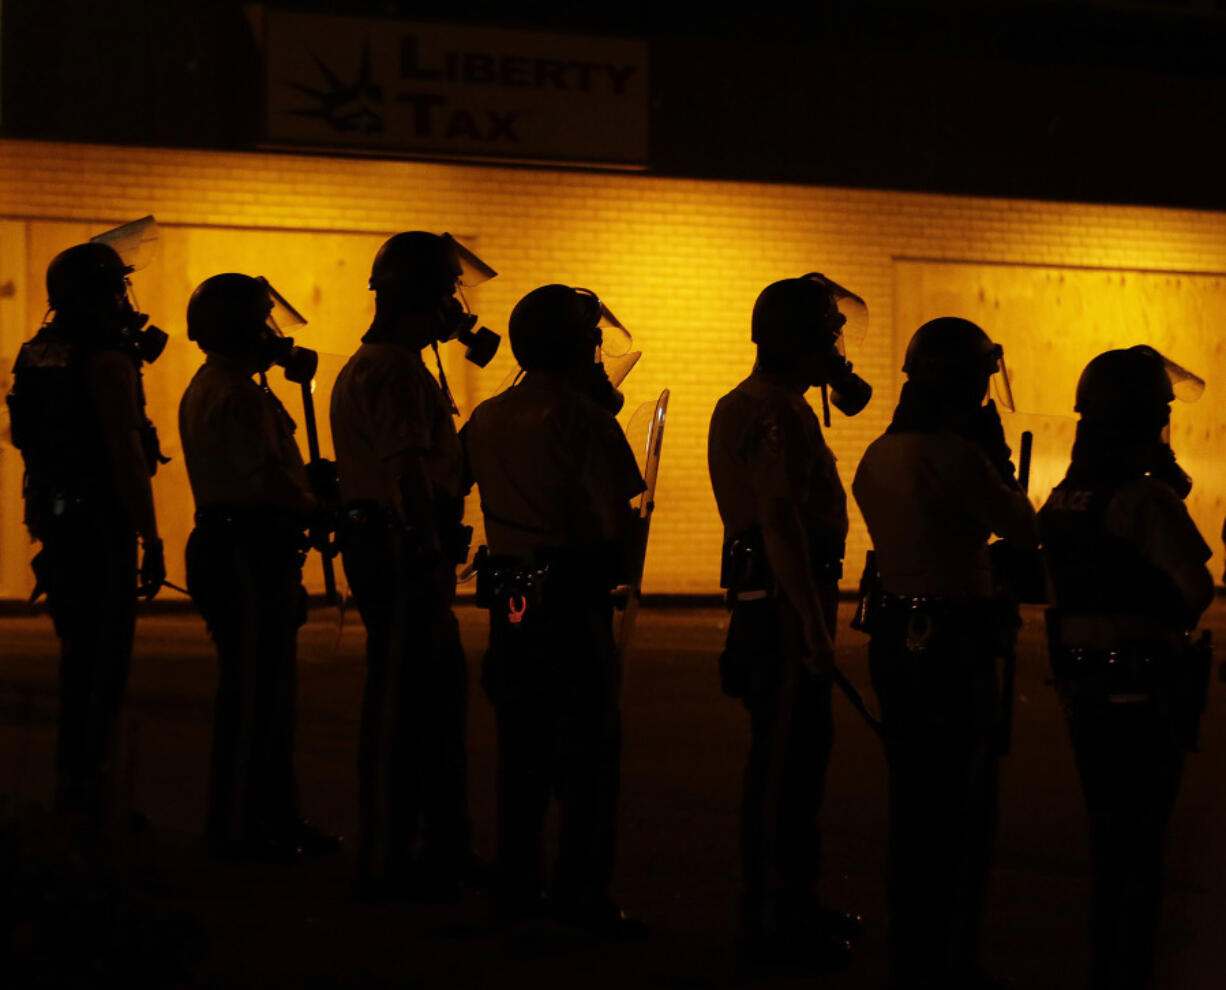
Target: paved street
x,y
684,749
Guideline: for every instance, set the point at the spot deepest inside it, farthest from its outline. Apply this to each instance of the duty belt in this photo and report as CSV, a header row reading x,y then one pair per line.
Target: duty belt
x,y
554,577
370,513
922,617
255,525
1121,676
824,572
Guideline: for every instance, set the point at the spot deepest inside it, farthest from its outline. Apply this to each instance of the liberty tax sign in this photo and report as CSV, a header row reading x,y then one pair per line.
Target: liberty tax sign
x,y
367,84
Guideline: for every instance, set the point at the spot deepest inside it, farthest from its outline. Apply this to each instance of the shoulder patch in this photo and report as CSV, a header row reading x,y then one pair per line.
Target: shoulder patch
x,y
770,435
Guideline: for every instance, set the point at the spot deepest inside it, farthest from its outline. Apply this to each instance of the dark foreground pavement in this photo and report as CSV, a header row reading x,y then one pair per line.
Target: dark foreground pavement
x,y
302,927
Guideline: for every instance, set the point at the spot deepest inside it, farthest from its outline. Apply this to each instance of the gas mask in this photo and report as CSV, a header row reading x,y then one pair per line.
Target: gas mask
x,y
844,388
457,321
849,393
146,341
299,363
136,244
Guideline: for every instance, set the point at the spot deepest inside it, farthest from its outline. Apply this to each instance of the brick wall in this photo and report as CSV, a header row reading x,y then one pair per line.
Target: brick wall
x,y
679,261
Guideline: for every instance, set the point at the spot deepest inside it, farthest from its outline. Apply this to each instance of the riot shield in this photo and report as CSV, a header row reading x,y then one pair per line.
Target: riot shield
x,y
645,432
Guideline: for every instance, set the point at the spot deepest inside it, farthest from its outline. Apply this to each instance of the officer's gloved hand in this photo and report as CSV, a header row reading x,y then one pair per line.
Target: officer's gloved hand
x,y
321,524
985,428
324,481
152,569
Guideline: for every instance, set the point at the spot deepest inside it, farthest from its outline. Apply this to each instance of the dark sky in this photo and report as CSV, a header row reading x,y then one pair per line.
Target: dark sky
x,y
1056,99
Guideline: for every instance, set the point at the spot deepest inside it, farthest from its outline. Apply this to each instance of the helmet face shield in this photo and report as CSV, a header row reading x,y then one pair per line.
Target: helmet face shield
x,y
619,366
473,271
136,242
282,316
1000,381
615,339
1187,385
851,307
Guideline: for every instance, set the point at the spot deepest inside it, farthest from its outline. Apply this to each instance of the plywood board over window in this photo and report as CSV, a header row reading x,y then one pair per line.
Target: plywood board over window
x,y
1052,320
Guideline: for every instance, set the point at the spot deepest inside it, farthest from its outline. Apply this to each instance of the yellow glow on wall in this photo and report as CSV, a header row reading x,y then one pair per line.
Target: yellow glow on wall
x,y
679,261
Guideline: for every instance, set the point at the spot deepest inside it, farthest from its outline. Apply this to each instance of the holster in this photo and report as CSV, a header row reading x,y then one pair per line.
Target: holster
x,y
745,572
755,637
556,578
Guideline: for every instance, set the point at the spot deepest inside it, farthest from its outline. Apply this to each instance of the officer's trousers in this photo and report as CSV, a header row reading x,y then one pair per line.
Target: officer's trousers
x,y
554,680
1130,769
246,579
940,711
791,734
412,757
88,568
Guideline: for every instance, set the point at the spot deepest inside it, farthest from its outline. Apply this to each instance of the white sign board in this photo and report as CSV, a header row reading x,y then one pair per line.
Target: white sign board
x,y
389,85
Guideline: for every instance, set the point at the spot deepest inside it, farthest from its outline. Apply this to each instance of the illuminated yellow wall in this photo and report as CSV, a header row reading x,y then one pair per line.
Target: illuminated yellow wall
x,y
679,261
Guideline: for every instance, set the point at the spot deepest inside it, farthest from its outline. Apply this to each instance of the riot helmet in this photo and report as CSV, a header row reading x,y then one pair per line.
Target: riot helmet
x,y
956,354
420,273
245,317
87,280
811,316
555,328
568,329
1133,388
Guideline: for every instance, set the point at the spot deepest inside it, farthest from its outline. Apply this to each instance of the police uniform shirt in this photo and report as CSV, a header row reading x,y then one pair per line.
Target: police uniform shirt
x,y
386,403
231,428
1146,513
765,442
931,500
543,454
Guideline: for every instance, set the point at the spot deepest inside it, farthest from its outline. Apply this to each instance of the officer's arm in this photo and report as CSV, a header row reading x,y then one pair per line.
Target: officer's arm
x,y
1006,509
787,549
1150,514
116,387
416,493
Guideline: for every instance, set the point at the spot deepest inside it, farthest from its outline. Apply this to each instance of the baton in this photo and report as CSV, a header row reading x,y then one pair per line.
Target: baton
x,y
1008,674
857,702
308,412
1023,461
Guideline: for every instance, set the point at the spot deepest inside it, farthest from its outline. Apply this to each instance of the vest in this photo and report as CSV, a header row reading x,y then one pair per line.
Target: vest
x,y
55,425
1093,571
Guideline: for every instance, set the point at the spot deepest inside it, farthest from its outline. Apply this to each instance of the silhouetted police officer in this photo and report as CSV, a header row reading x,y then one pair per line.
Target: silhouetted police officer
x,y
785,521
556,475
244,567
1128,578
400,465
78,416
932,490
